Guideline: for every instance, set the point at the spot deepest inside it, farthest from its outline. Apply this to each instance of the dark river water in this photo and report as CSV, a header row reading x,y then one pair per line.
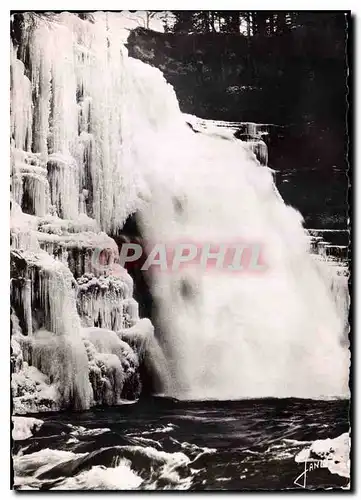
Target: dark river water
x,y
161,444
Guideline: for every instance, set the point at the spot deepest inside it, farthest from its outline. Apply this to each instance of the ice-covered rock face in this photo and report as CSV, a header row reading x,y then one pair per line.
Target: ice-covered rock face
x,y
72,104
72,181
56,362
106,302
43,300
113,366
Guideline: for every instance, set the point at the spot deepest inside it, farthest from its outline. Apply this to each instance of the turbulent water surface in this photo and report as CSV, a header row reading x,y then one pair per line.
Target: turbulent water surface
x,y
166,444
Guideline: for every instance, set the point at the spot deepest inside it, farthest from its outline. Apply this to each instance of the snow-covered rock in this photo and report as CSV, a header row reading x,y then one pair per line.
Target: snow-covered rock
x,y
24,427
334,454
32,392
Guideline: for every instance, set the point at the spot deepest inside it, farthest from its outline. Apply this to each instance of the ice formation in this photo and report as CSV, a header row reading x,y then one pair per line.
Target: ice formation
x,y
113,366
97,136
79,121
106,302
142,339
251,133
32,391
24,427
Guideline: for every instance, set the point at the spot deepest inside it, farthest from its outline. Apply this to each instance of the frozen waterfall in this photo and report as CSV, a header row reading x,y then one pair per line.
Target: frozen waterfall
x,y
97,136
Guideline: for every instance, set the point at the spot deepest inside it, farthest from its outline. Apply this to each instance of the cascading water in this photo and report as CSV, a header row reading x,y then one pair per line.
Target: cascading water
x,y
101,136
273,334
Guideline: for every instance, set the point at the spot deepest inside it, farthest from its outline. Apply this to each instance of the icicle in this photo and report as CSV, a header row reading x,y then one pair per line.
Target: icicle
x,y
54,225
83,250
23,230
84,113
44,293
73,60
37,189
16,179
30,187
63,179
64,360
16,356
56,294
112,362
21,104
26,299
87,171
16,351
260,150
103,302
52,291
130,313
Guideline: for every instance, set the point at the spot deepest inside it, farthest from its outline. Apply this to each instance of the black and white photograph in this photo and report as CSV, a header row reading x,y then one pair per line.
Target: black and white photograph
x,y
180,250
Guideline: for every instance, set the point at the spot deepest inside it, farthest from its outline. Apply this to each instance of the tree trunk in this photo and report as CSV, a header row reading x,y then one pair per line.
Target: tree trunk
x,y
248,21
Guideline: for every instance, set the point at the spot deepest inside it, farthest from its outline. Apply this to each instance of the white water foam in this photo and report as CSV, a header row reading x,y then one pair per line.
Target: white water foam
x,y
121,477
